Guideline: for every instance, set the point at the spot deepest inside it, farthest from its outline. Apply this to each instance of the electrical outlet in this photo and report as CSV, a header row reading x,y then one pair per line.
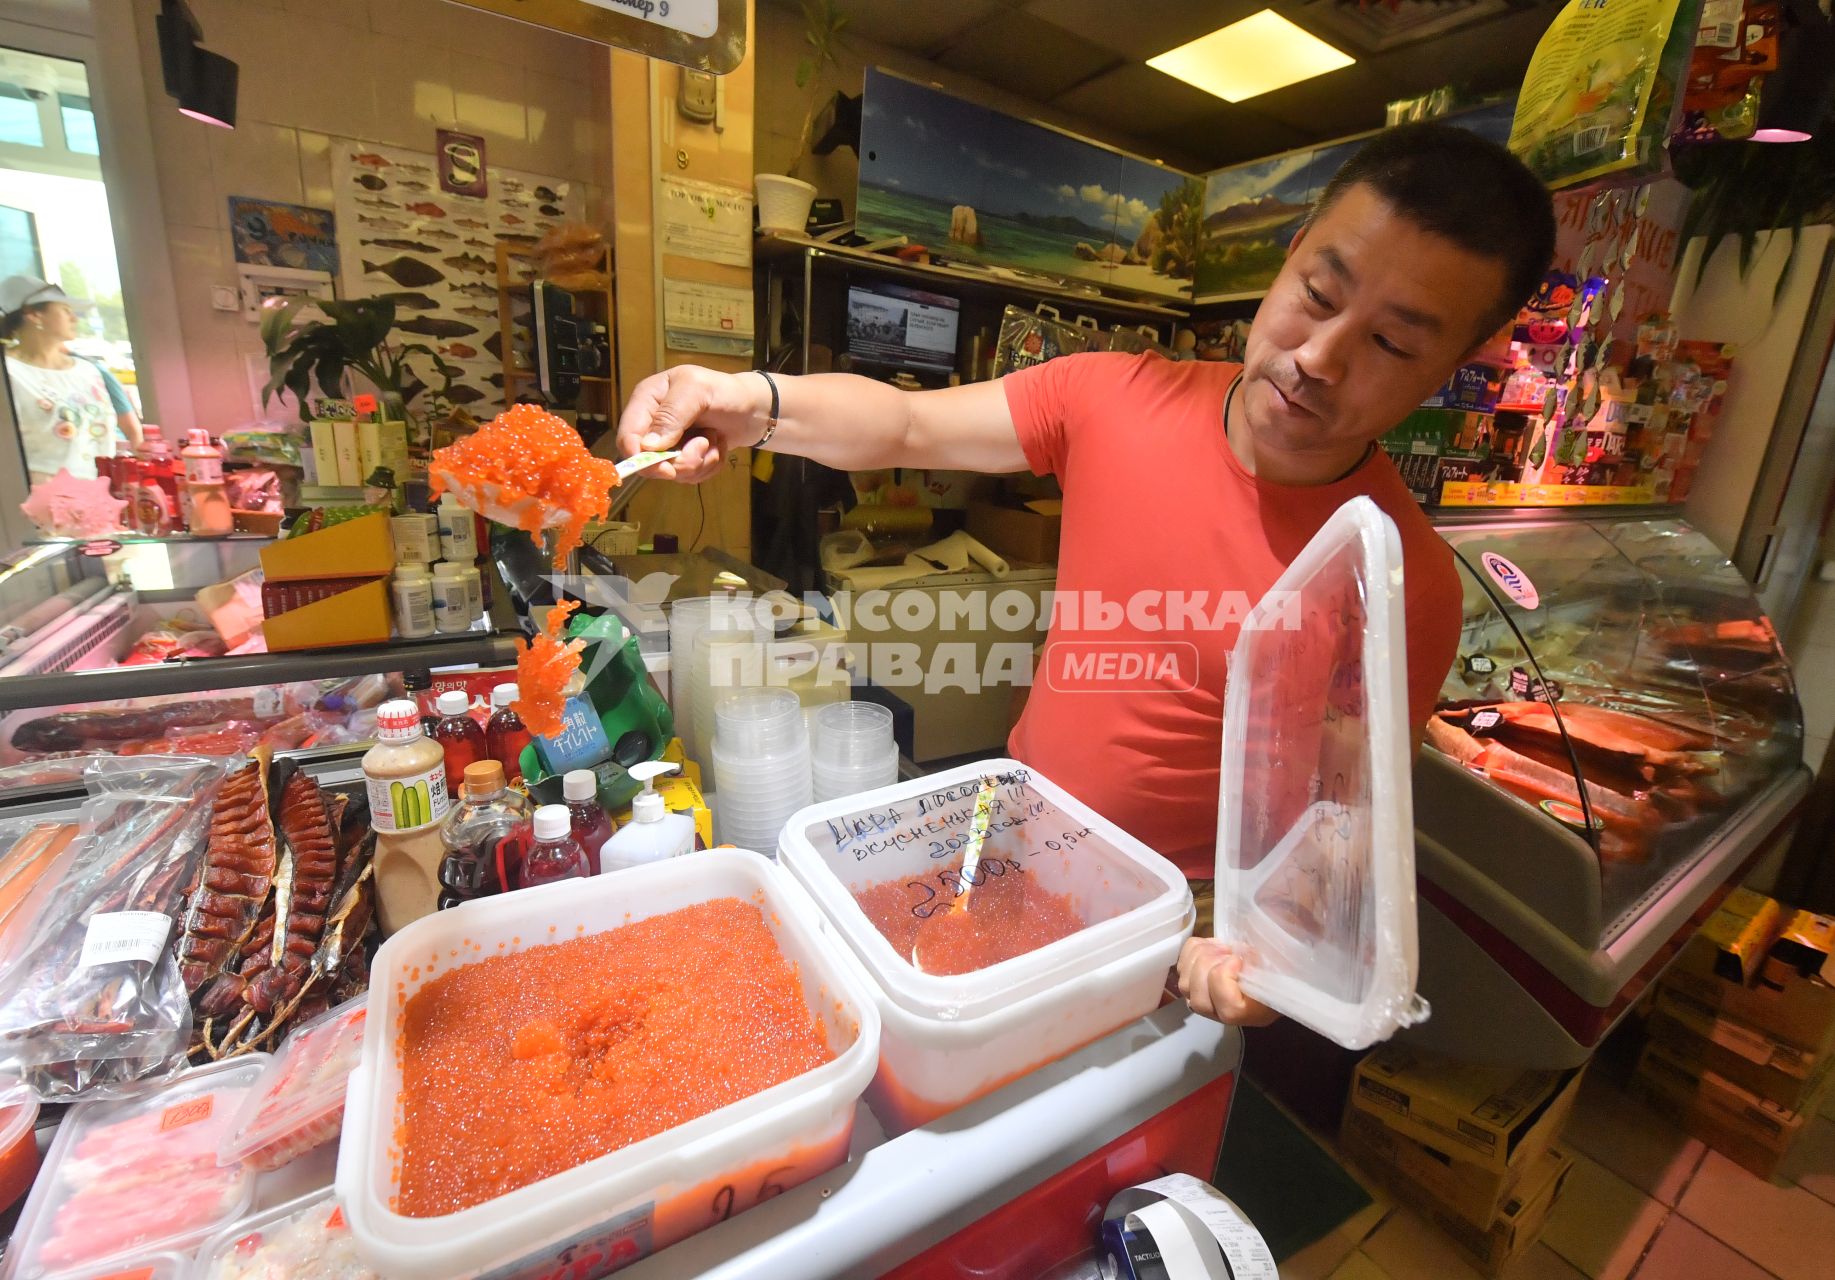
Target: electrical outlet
x,y
224,297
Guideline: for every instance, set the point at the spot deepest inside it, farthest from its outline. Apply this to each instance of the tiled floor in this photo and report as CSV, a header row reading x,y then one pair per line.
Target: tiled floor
x,y
1645,1202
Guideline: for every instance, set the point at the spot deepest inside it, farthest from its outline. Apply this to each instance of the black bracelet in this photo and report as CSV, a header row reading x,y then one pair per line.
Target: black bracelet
x,y
771,421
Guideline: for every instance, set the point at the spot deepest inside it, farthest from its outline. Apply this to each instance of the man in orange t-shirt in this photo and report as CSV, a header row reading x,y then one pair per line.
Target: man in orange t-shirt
x,y
1188,480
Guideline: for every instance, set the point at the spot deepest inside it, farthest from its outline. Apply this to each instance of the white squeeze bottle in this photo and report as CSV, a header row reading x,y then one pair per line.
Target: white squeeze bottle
x,y
653,833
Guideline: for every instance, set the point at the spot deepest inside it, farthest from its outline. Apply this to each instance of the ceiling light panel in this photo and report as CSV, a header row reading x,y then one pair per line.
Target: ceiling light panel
x,y
1261,53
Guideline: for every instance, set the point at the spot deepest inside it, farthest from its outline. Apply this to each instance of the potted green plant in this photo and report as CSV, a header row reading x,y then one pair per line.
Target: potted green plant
x,y
353,338
783,200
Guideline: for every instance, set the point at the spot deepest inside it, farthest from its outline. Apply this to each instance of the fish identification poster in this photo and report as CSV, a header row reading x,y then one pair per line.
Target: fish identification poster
x,y
436,251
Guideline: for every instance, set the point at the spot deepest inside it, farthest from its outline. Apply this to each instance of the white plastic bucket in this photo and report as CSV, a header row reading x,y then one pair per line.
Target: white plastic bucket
x,y
948,1039
625,1205
783,202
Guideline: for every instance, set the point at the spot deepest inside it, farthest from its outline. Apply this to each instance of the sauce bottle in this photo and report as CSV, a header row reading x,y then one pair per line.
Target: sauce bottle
x,y
206,501
488,810
505,736
459,736
405,772
590,824
418,686
556,855
156,498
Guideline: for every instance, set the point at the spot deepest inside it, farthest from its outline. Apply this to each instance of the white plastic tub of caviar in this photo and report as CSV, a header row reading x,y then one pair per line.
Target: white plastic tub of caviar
x,y
948,1038
623,1206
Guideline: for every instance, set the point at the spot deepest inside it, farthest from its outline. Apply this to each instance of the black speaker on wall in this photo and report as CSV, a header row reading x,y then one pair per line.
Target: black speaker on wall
x,y
204,83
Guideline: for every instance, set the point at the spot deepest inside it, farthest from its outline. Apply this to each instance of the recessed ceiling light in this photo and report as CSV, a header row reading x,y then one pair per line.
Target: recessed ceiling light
x,y
1261,53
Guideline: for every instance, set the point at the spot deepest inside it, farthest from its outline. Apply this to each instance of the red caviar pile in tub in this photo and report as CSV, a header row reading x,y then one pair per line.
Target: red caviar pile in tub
x,y
528,1063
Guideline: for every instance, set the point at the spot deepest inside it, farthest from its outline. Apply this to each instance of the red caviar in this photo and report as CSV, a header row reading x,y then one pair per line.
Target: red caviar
x,y
524,1065
543,668
1007,915
537,464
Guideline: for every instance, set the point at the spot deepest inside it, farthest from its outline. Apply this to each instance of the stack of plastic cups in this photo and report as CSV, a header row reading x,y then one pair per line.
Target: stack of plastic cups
x,y
852,749
761,767
687,619
728,655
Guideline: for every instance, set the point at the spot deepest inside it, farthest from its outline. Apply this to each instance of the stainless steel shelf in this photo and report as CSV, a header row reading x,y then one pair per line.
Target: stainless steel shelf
x,y
200,675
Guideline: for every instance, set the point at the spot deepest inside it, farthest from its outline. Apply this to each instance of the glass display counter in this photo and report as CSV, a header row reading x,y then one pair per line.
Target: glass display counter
x,y
1618,739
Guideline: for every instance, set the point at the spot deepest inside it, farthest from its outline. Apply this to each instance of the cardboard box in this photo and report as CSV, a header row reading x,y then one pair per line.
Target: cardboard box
x,y
284,597
1518,1223
357,616
1782,1003
1807,945
1751,1132
1483,1115
360,548
1473,1194
1027,534
1748,1057
1740,933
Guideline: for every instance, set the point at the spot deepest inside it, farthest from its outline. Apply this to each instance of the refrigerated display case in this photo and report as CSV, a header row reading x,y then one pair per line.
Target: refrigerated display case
x,y
1618,739
105,649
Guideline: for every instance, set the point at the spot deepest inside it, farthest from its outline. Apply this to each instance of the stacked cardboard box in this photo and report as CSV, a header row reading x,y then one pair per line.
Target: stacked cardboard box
x,y
1470,1146
1742,1030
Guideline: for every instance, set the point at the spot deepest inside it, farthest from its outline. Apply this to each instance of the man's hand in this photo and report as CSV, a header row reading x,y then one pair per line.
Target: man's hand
x,y
1208,979
726,411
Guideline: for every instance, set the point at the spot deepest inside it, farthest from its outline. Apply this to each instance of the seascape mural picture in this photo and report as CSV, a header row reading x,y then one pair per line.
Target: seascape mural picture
x,y
975,185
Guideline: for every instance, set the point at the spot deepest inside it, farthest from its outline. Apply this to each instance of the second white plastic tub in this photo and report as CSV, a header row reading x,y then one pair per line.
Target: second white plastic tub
x,y
951,1038
625,1205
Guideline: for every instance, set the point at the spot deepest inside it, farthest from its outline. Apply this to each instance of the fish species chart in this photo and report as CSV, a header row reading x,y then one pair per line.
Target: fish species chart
x,y
437,253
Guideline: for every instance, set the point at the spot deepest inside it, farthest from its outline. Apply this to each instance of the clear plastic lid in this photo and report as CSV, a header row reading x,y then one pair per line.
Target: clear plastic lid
x,y
304,1239
1315,834
1056,890
297,1105
135,1176
145,1266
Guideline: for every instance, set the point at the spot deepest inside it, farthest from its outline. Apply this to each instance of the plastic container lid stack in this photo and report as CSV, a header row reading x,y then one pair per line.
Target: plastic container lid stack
x,y
687,618
728,654
950,1038
852,749
656,1191
1315,866
761,766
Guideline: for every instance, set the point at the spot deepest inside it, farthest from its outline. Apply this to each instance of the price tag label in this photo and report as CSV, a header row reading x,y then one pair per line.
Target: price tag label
x,y
119,936
1485,721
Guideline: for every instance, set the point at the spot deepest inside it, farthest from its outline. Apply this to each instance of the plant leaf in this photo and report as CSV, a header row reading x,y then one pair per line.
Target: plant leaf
x,y
277,323
804,70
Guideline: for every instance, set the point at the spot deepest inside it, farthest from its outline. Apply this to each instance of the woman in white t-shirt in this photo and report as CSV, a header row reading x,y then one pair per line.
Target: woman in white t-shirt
x,y
66,418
